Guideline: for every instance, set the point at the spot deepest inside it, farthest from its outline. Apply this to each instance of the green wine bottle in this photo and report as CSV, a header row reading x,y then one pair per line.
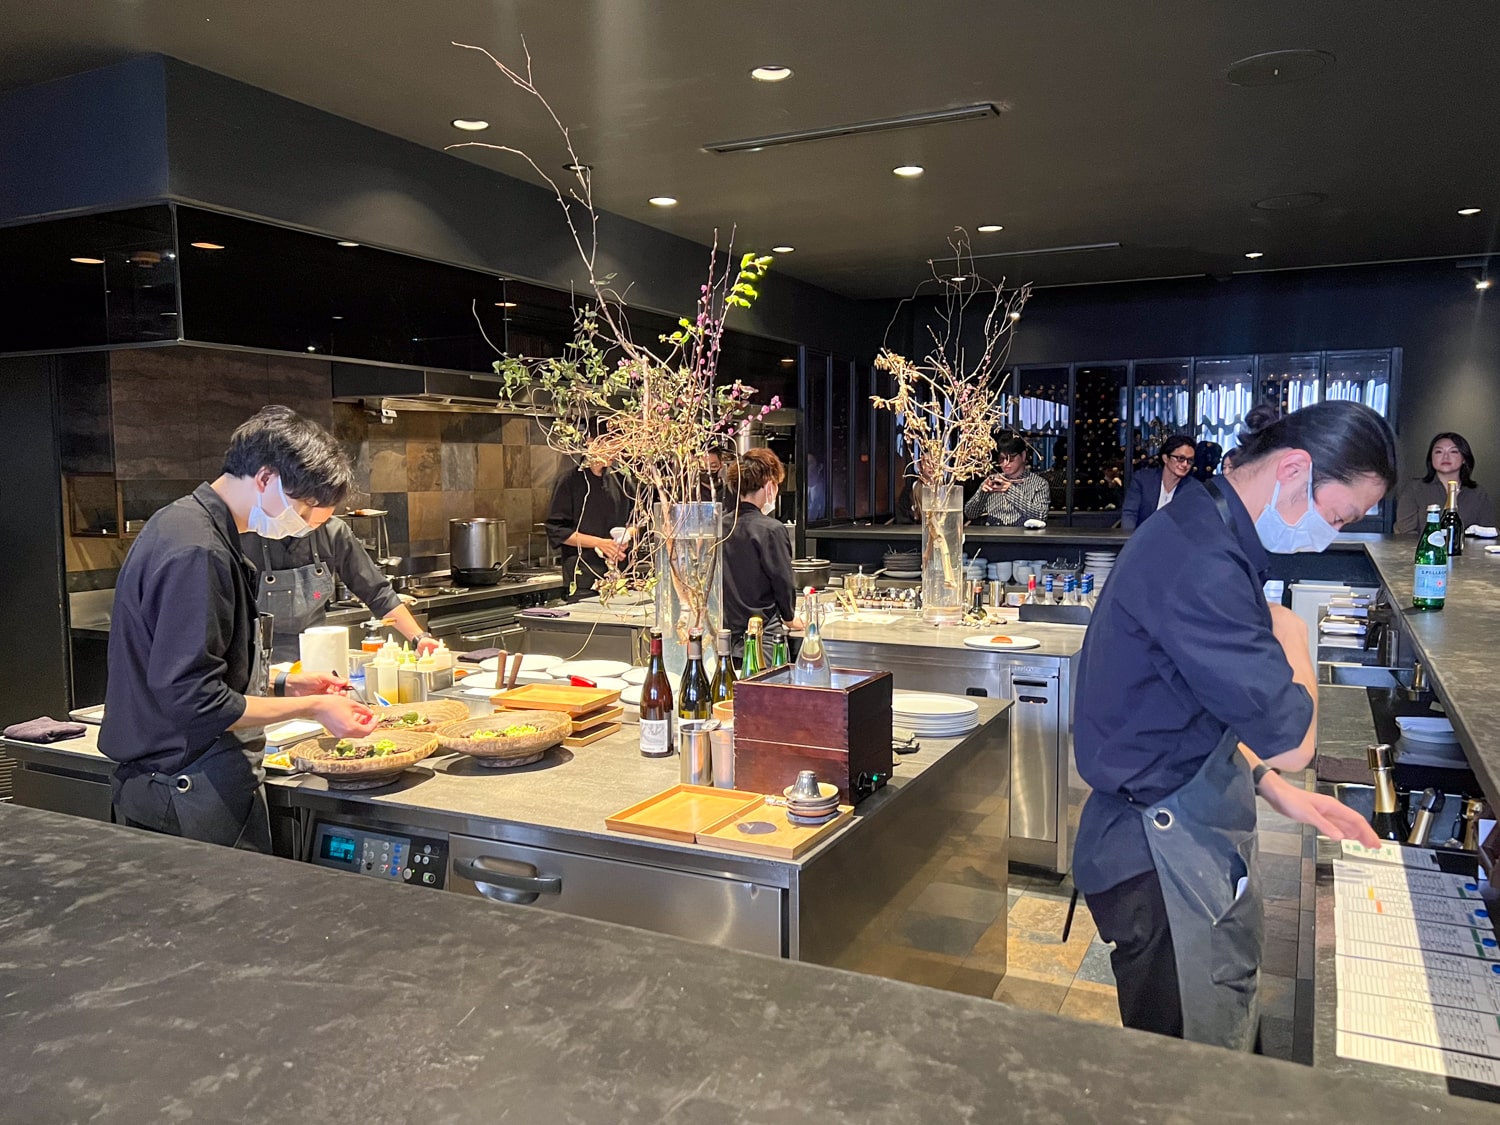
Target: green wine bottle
x,y
1430,583
753,663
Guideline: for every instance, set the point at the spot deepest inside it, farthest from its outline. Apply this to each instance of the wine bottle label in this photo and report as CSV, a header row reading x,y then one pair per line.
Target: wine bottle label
x,y
656,737
1431,581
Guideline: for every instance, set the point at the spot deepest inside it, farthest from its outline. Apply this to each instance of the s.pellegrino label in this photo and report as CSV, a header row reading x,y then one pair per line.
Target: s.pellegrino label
x,y
1430,578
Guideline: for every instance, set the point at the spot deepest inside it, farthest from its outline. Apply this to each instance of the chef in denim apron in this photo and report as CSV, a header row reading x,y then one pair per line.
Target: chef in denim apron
x,y
1192,693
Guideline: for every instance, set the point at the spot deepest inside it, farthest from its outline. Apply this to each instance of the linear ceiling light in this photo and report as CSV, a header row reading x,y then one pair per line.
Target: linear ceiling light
x,y
1047,250
882,125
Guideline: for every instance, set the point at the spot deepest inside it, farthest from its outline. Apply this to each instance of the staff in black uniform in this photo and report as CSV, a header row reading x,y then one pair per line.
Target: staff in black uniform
x,y
187,647
1187,704
295,581
758,580
587,505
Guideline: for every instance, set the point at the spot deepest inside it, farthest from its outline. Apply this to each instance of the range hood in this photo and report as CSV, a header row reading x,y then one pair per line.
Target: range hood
x,y
380,388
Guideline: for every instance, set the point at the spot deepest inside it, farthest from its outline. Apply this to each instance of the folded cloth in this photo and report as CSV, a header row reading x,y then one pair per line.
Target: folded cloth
x,y
1479,531
543,611
45,729
478,655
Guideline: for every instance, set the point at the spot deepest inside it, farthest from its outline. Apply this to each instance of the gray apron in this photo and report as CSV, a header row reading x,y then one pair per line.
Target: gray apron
x,y
219,797
1203,844
297,598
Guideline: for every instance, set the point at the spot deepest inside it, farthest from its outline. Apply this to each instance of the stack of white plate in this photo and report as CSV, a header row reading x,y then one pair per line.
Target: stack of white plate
x,y
1429,741
1099,564
903,564
589,669
928,715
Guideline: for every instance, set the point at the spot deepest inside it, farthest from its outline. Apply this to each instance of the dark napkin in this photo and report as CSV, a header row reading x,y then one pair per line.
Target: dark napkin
x,y
1336,769
543,611
45,729
478,655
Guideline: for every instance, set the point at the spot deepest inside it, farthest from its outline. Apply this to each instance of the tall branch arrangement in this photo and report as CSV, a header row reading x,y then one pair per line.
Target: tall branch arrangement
x,y
949,403
651,412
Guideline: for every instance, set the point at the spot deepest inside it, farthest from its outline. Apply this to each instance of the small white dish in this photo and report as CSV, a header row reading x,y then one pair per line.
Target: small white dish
x,y
987,642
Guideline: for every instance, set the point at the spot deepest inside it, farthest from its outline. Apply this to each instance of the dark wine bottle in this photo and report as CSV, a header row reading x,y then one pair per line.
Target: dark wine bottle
x,y
656,705
1388,820
723,689
695,697
1452,526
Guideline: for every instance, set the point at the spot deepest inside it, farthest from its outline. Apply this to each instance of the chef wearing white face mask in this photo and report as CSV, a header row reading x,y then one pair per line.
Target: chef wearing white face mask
x,y
757,556
298,553
1191,693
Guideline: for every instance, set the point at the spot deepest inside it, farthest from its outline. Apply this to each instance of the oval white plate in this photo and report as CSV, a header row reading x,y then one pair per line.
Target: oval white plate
x,y
926,703
589,669
634,675
983,641
631,696
530,662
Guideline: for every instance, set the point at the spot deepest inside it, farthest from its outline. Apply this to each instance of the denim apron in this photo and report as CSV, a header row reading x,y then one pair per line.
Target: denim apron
x,y
297,598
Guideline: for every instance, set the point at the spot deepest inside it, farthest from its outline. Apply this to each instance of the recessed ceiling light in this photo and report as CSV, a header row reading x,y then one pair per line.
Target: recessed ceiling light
x,y
787,361
1483,283
1015,315
1468,210
505,304
470,124
990,228
782,249
662,201
578,168
312,347
88,261
908,170
1255,254
205,246
771,73
336,316
344,243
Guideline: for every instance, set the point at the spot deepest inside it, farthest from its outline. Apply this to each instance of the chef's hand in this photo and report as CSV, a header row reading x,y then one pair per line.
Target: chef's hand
x,y
342,717
611,550
426,645
315,683
796,625
1329,816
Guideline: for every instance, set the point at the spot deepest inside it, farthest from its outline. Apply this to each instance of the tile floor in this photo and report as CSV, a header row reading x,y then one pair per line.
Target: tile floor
x,y
959,931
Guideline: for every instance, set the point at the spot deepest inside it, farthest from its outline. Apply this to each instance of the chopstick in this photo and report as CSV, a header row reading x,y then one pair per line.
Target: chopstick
x,y
515,671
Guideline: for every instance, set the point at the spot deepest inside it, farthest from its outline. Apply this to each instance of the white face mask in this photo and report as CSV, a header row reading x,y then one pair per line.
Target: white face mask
x,y
285,524
769,507
1311,533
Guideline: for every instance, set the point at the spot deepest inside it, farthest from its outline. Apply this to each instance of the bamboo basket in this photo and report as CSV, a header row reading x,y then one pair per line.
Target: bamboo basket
x,y
434,712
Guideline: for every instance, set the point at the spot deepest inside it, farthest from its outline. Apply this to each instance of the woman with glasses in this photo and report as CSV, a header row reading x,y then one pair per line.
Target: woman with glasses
x,y
1448,458
1013,495
1151,489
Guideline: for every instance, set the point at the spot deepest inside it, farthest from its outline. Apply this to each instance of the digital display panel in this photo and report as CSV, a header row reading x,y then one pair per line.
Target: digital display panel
x,y
340,849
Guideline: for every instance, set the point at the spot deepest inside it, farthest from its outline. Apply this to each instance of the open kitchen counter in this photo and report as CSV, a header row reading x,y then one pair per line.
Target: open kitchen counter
x,y
447,1009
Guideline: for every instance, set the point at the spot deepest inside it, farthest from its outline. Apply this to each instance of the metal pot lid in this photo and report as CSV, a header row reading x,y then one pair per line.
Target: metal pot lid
x,y
477,519
810,564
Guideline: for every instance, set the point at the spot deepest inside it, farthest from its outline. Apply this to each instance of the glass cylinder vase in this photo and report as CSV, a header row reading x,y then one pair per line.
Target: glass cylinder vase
x,y
689,579
943,555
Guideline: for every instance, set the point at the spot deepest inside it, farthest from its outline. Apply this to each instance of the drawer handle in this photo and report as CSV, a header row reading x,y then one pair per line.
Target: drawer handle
x,y
511,877
1032,699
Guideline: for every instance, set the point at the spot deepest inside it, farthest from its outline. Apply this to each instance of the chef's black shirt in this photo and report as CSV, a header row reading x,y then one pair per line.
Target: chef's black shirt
x,y
757,567
1178,652
593,505
182,639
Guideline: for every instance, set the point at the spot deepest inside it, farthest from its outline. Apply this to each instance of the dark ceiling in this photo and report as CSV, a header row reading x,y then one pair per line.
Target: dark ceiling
x,y
1118,124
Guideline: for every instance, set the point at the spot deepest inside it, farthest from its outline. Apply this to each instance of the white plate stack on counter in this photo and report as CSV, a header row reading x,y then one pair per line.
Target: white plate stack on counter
x,y
1099,564
929,715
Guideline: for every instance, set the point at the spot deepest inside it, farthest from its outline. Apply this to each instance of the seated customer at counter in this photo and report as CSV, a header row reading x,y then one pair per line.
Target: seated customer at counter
x,y
1013,495
1449,458
757,555
296,581
588,503
1153,489
187,675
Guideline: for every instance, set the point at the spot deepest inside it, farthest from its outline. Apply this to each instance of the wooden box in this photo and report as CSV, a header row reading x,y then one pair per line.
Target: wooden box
x,y
843,732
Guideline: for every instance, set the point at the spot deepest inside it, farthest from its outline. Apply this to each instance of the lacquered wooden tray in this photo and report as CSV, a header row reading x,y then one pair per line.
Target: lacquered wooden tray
x,y
571,700
681,812
585,723
785,841
594,734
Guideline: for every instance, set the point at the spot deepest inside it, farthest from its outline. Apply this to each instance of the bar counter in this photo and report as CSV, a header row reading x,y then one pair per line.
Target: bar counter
x,y
238,987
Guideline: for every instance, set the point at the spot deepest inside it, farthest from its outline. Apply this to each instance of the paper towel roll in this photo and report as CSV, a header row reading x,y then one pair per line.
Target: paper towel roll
x,y
325,649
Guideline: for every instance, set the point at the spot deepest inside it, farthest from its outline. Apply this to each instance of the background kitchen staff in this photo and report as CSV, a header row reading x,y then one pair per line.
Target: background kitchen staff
x,y
758,579
587,504
185,701
1186,703
295,583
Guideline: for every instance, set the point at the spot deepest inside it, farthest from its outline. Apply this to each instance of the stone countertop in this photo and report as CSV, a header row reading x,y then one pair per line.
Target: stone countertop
x,y
909,631
568,791
1459,646
151,979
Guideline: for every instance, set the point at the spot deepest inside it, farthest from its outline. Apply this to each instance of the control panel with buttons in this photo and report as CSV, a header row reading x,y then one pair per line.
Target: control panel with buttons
x,y
398,858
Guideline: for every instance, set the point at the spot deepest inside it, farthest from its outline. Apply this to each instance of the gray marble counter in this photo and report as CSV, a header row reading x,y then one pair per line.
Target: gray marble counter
x,y
148,979
1459,646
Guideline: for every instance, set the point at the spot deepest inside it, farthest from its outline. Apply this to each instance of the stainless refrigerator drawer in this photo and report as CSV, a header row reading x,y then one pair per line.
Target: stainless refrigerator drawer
x,y
703,908
1034,764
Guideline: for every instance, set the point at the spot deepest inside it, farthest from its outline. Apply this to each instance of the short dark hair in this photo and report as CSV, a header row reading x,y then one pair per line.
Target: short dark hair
x,y
313,467
1010,446
1175,442
752,471
1346,441
1465,471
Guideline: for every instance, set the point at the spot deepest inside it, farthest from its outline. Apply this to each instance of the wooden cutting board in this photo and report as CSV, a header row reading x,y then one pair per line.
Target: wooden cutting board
x,y
785,841
681,812
571,700
578,741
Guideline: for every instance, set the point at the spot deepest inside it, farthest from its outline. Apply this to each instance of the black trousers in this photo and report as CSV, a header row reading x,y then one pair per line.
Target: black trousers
x,y
1134,917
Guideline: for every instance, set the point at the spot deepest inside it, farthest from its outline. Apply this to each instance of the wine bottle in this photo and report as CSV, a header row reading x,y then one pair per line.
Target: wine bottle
x,y
753,663
723,687
1388,820
1430,583
780,650
656,704
694,697
812,668
1453,528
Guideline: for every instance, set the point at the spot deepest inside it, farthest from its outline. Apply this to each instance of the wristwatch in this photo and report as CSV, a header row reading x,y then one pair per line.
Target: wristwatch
x,y
1258,774
278,686
422,636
